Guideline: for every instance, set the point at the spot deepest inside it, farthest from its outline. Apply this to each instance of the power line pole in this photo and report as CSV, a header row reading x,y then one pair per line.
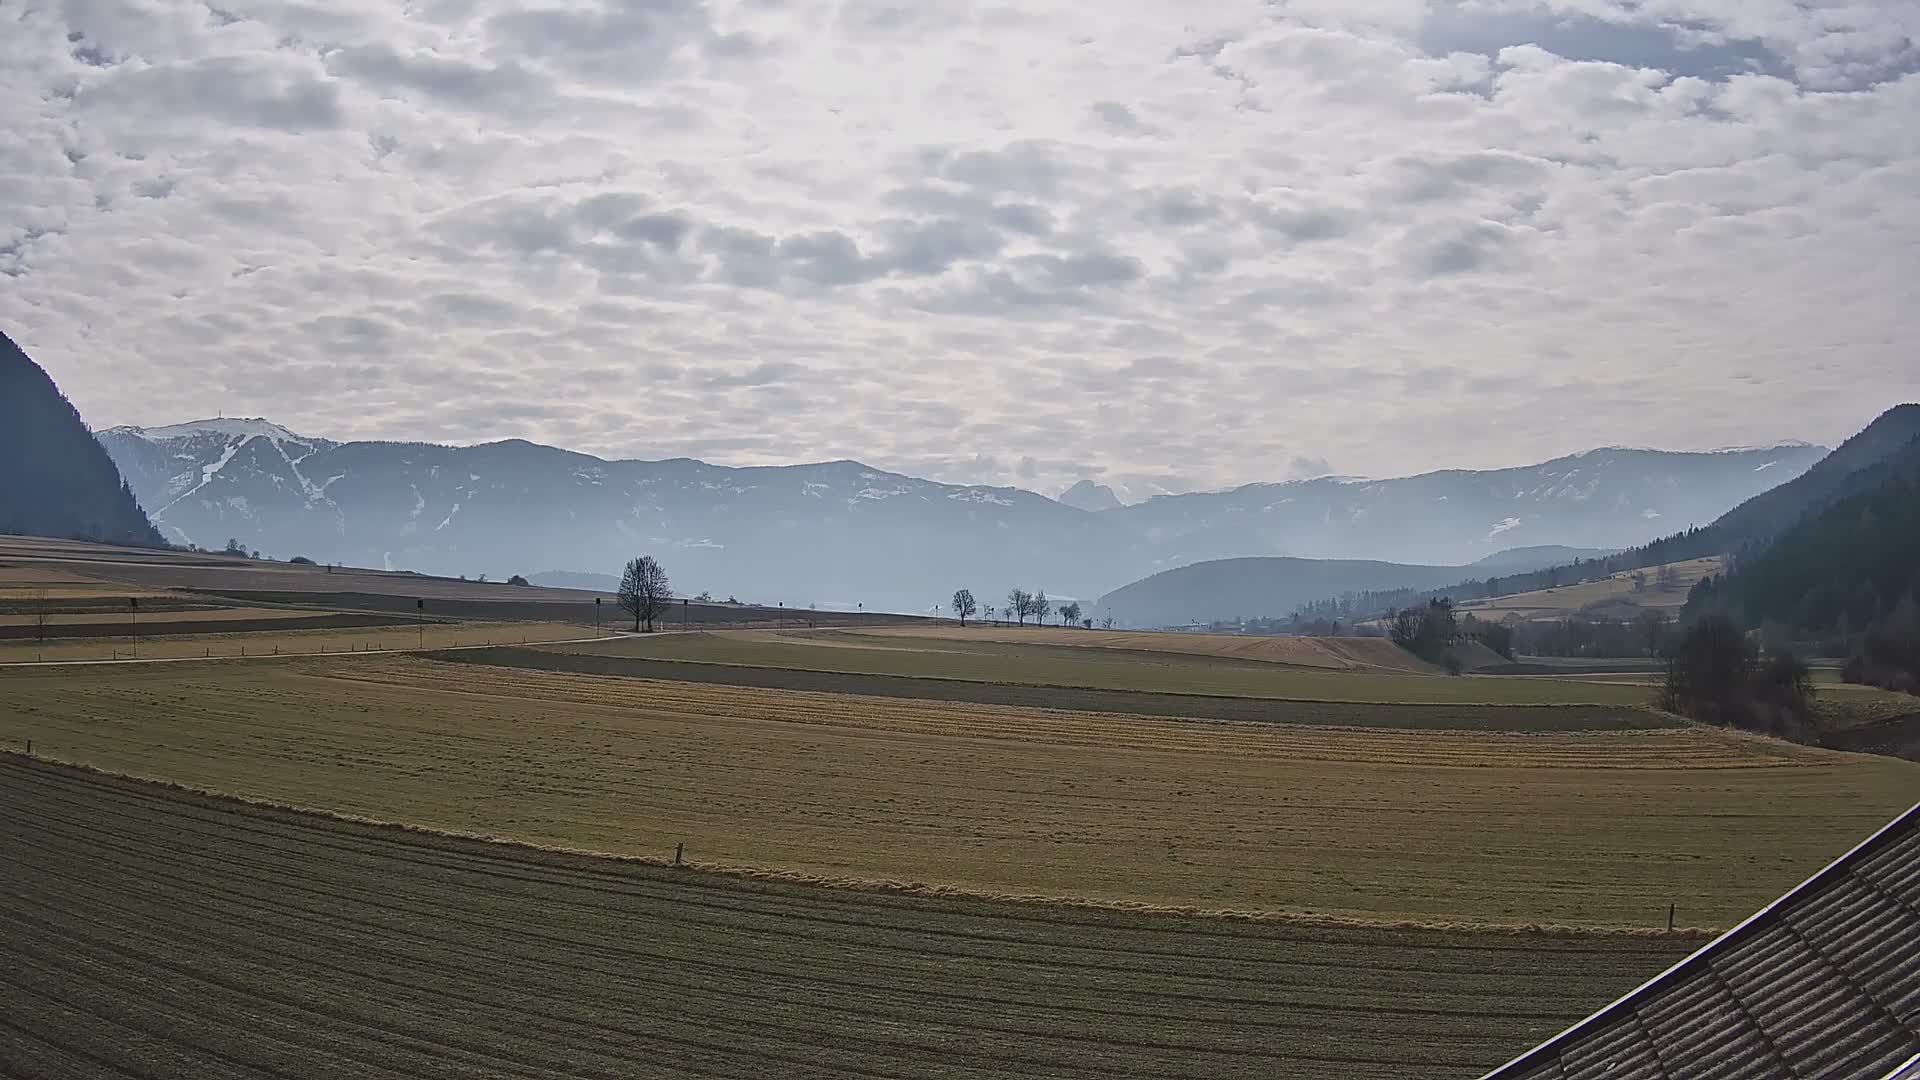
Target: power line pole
x,y
420,618
133,607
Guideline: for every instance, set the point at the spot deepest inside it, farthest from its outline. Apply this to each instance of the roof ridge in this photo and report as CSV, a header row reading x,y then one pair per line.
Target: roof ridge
x,y
1624,1005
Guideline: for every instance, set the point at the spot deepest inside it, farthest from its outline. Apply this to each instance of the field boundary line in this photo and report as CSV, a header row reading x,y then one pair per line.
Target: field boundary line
x,y
889,887
1637,707
410,651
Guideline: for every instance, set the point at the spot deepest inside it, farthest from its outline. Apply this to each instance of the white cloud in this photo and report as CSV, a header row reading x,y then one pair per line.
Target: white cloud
x,y
1161,244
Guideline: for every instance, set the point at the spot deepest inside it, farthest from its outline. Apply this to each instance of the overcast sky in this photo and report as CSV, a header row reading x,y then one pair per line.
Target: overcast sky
x,y
1189,243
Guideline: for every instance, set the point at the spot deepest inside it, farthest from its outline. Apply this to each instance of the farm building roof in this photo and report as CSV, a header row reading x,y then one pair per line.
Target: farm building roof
x,y
1823,982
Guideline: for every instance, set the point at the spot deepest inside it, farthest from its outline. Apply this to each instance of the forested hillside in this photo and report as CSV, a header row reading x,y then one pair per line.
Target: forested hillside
x,y
55,480
1848,575
1837,570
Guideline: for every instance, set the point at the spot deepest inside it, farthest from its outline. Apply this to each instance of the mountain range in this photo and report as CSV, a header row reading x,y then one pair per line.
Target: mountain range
x,y
1883,455
842,534
1221,590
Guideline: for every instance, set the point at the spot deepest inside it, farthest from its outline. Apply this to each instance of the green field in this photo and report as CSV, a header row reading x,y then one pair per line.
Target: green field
x,y
1437,717
1039,664
158,934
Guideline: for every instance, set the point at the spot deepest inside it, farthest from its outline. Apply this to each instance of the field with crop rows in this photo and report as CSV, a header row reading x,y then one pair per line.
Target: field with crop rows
x,y
1038,663
1331,653
270,638
159,934
998,801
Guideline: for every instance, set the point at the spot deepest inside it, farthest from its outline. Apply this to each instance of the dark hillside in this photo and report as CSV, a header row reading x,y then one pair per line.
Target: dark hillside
x,y
1834,477
1853,566
55,479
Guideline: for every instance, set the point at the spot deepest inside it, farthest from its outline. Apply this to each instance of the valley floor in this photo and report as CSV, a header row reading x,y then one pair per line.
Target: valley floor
x,y
156,933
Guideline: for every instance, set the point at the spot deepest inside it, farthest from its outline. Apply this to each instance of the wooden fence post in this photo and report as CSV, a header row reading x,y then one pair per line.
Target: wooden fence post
x,y
678,850
1669,916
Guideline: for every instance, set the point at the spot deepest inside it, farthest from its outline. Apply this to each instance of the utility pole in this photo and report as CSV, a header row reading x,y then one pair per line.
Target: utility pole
x,y
420,618
133,608
596,616
683,614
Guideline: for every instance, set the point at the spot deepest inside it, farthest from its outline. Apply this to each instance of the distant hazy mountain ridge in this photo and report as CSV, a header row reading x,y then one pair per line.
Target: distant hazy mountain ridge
x,y
842,533
1089,496
55,480
1881,455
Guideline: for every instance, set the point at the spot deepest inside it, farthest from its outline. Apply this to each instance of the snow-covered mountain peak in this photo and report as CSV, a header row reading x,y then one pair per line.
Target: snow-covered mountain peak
x,y
228,427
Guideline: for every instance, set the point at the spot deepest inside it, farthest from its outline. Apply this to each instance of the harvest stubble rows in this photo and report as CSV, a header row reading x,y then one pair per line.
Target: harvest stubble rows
x,y
1573,828
1037,662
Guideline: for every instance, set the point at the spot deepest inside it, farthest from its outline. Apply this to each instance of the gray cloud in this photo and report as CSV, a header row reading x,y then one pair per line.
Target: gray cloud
x,y
1301,467
1202,245
255,90
453,81
1460,248
1120,118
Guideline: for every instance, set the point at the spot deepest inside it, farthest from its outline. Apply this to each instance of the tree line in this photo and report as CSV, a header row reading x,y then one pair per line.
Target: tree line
x,y
1715,673
1432,630
1021,606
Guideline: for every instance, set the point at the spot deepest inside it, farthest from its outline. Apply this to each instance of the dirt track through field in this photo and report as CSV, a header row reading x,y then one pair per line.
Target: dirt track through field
x,y
1596,828
159,934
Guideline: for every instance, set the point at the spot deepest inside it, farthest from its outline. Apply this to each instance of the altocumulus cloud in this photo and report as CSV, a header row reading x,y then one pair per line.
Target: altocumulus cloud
x,y
1152,243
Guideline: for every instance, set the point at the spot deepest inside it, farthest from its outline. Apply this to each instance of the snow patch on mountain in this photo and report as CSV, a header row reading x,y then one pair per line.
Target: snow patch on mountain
x,y
230,427
1509,523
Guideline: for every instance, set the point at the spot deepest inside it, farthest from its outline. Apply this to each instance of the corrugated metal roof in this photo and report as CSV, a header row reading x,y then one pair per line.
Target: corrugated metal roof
x,y
1823,982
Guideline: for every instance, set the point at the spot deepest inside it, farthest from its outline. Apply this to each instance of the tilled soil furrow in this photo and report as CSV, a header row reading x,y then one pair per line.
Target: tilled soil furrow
x,y
341,946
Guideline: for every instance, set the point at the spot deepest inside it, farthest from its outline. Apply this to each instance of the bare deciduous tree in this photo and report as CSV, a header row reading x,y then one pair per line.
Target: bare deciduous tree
x,y
1020,604
1070,614
1042,607
964,605
644,590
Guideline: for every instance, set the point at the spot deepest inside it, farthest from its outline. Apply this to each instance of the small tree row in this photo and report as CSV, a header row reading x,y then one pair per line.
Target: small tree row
x,y
1021,606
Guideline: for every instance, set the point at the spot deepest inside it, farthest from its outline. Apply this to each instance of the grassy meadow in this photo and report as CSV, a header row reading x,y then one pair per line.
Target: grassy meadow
x,y
1615,592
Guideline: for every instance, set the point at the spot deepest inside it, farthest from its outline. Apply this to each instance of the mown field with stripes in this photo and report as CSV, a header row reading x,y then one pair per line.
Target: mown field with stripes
x,y
1517,827
156,933
1138,662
